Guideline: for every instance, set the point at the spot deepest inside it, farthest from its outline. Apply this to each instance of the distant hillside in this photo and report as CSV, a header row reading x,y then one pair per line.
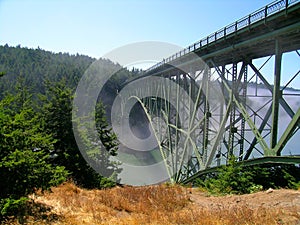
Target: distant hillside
x,y
35,66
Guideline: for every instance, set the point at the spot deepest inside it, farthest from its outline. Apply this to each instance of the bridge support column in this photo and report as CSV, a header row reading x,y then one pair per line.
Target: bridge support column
x,y
219,154
276,94
207,114
244,73
233,128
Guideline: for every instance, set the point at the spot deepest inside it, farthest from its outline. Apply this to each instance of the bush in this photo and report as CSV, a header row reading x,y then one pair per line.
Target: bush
x,y
230,179
235,178
10,206
57,114
24,156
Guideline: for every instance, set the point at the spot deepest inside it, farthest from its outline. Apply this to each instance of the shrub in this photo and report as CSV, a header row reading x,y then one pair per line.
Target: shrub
x,y
24,156
235,178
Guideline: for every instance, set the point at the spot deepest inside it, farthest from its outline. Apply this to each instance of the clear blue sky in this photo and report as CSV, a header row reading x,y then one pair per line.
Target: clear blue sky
x,y
94,27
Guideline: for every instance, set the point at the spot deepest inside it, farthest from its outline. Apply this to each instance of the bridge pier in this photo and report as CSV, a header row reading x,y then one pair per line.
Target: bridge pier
x,y
276,94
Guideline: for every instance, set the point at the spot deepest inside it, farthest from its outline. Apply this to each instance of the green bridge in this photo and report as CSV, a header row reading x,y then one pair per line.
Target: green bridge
x,y
225,101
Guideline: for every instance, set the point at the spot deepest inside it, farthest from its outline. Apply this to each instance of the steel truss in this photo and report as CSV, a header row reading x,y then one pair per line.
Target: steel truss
x,y
244,123
233,109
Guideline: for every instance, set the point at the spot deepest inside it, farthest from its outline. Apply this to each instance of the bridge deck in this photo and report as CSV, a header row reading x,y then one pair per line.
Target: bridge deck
x,y
249,37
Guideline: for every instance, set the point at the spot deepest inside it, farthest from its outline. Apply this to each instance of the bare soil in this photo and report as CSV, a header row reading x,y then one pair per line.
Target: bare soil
x,y
285,203
161,205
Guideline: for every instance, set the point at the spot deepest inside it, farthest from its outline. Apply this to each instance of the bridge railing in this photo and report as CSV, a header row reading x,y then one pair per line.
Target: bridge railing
x,y
246,21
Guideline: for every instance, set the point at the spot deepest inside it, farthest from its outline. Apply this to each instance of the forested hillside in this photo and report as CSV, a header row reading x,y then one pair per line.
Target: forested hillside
x,y
35,66
37,145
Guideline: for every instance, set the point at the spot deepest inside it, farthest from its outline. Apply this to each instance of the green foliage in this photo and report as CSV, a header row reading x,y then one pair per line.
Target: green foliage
x,y
276,175
41,86
24,155
11,206
37,65
26,170
235,178
287,176
37,145
108,138
57,114
230,179
107,183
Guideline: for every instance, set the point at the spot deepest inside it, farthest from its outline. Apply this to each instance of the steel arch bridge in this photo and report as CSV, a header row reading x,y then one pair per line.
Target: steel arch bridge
x,y
237,105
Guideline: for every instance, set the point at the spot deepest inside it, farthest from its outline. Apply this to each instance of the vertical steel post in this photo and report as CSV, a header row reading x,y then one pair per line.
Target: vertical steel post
x,y
232,128
243,122
219,154
207,75
276,94
192,165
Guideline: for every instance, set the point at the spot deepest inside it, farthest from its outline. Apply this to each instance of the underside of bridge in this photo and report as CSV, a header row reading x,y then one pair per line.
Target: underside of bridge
x,y
232,95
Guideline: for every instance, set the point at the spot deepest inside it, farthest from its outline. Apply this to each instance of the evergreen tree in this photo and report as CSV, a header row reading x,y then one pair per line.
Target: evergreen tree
x,y
24,155
57,114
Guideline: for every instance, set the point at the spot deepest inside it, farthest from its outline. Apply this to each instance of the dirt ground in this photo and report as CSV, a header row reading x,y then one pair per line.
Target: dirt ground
x,y
161,205
285,202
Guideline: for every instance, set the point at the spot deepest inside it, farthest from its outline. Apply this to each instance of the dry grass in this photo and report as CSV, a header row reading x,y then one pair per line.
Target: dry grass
x,y
160,204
